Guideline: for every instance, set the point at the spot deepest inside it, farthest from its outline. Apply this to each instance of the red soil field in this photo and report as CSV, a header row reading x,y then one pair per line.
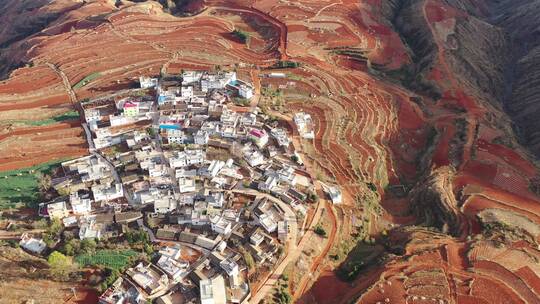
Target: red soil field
x,y
530,278
328,288
367,129
465,299
493,291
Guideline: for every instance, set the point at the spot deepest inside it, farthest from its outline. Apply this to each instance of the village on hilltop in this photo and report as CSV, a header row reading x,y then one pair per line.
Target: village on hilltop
x,y
191,161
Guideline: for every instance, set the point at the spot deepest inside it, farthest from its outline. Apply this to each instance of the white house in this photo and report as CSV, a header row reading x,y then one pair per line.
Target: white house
x,y
216,80
248,119
201,137
287,175
157,170
175,136
172,267
212,291
254,158
191,77
230,267
269,183
57,210
213,169
229,118
148,82
256,238
88,228
283,231
334,193
186,185
198,218
92,115
281,137
164,205
187,158
268,223
80,204
220,225
31,244
186,173
304,124
120,120
216,199
107,192
245,91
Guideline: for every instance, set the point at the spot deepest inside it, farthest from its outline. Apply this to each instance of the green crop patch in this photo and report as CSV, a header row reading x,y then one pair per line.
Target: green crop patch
x,y
115,259
71,115
20,187
86,80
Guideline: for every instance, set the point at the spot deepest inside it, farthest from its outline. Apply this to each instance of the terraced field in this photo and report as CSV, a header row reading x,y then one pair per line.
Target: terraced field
x,y
444,150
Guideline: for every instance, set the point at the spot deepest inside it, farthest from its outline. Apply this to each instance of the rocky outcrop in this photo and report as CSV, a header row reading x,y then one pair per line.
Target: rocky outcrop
x,y
179,7
433,201
479,55
406,18
520,20
495,52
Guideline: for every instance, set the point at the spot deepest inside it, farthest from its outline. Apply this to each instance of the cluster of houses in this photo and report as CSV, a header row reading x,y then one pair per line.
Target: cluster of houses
x,y
178,160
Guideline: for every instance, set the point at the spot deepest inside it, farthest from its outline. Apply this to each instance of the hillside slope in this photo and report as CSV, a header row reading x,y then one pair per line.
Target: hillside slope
x,y
414,102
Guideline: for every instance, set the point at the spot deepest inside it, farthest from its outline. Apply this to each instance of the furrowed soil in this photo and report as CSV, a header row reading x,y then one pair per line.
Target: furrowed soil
x,y
429,142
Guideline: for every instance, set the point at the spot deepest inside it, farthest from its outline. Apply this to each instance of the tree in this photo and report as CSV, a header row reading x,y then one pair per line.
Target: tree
x,y
320,231
280,250
239,101
312,196
248,258
111,275
283,296
372,186
148,249
88,246
61,265
53,232
71,247
44,182
137,237
241,35
68,249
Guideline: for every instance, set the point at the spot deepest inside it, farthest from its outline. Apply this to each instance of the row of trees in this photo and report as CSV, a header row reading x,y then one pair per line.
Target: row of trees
x,y
282,295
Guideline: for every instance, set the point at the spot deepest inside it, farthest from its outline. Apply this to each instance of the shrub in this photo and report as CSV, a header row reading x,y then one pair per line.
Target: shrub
x,y
313,197
88,246
283,296
284,64
320,231
241,35
239,101
372,186
250,262
61,265
137,237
